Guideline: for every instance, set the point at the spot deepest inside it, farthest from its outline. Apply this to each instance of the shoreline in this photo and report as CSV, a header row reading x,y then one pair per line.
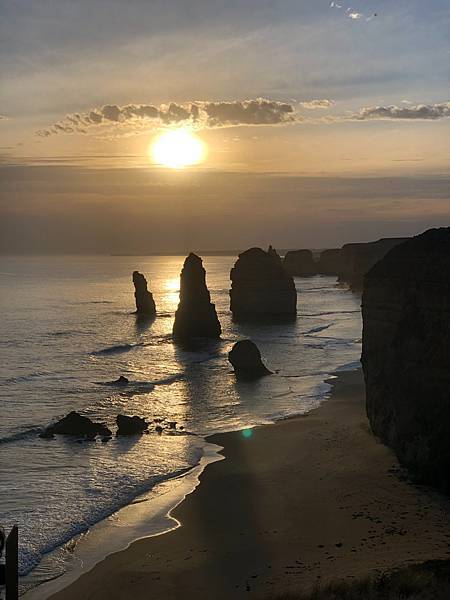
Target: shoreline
x,y
148,515
309,500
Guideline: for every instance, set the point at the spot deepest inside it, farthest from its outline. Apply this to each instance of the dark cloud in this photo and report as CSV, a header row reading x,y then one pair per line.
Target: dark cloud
x,y
248,112
202,113
427,112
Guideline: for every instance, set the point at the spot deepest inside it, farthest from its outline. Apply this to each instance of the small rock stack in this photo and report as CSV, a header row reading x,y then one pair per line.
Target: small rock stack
x,y
145,305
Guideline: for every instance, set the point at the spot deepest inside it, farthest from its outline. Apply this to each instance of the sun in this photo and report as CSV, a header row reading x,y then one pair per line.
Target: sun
x,y
177,148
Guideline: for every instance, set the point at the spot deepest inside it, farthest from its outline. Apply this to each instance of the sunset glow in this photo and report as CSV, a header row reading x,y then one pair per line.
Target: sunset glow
x,y
177,149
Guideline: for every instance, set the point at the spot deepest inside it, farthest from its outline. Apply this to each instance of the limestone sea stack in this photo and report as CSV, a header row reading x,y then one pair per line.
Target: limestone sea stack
x,y
145,305
261,289
196,316
406,353
329,262
246,360
300,263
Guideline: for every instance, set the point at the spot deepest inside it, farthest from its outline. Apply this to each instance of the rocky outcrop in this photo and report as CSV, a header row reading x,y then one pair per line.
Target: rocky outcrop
x,y
76,424
357,259
406,353
130,425
300,263
196,316
145,305
329,262
261,288
274,254
246,360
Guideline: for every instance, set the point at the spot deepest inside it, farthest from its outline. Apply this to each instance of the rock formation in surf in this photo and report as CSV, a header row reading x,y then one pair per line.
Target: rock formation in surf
x,y
130,425
246,360
145,305
261,289
195,316
76,424
300,263
406,353
357,259
329,262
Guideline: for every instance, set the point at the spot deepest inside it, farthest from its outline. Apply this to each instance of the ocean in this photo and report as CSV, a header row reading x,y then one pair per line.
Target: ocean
x,y
68,328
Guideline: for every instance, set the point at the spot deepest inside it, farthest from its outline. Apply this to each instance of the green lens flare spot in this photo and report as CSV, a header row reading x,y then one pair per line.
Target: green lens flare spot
x,y
247,433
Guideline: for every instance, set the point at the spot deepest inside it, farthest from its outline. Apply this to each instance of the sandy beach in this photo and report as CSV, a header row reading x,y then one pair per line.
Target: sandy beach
x,y
309,500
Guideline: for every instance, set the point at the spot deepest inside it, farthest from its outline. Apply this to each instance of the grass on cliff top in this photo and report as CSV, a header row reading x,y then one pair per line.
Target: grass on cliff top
x,y
427,581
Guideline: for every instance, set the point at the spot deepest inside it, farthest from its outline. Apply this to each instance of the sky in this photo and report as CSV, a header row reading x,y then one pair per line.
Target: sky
x,y
324,123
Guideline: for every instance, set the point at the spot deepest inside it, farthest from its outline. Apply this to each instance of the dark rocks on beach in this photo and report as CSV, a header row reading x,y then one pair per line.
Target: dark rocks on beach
x,y
76,424
196,315
358,259
406,353
329,262
300,263
246,360
130,425
145,305
260,288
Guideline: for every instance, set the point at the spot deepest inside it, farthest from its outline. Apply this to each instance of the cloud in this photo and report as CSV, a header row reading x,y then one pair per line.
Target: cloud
x,y
424,112
201,114
313,104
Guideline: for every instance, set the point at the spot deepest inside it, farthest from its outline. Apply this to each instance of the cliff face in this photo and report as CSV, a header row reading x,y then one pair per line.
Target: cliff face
x,y
300,263
358,259
196,315
329,262
261,288
406,353
145,305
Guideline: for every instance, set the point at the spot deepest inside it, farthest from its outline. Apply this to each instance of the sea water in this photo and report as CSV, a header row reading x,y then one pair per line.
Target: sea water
x,y
68,328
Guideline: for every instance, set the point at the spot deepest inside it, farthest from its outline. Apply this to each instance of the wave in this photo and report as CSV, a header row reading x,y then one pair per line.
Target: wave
x,y
318,329
25,378
20,435
67,332
92,302
331,312
168,380
31,556
117,349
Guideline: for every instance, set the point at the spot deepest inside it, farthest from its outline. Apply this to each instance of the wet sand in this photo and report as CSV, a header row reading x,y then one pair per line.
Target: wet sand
x,y
311,499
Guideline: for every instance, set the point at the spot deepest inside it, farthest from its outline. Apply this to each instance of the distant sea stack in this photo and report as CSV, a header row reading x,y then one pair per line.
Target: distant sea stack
x,y
406,353
246,360
196,316
145,305
358,259
330,262
300,263
260,287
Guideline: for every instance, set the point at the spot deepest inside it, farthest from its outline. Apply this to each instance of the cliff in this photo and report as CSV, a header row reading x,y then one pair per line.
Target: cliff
x,y
406,353
300,263
261,288
195,316
329,262
357,259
